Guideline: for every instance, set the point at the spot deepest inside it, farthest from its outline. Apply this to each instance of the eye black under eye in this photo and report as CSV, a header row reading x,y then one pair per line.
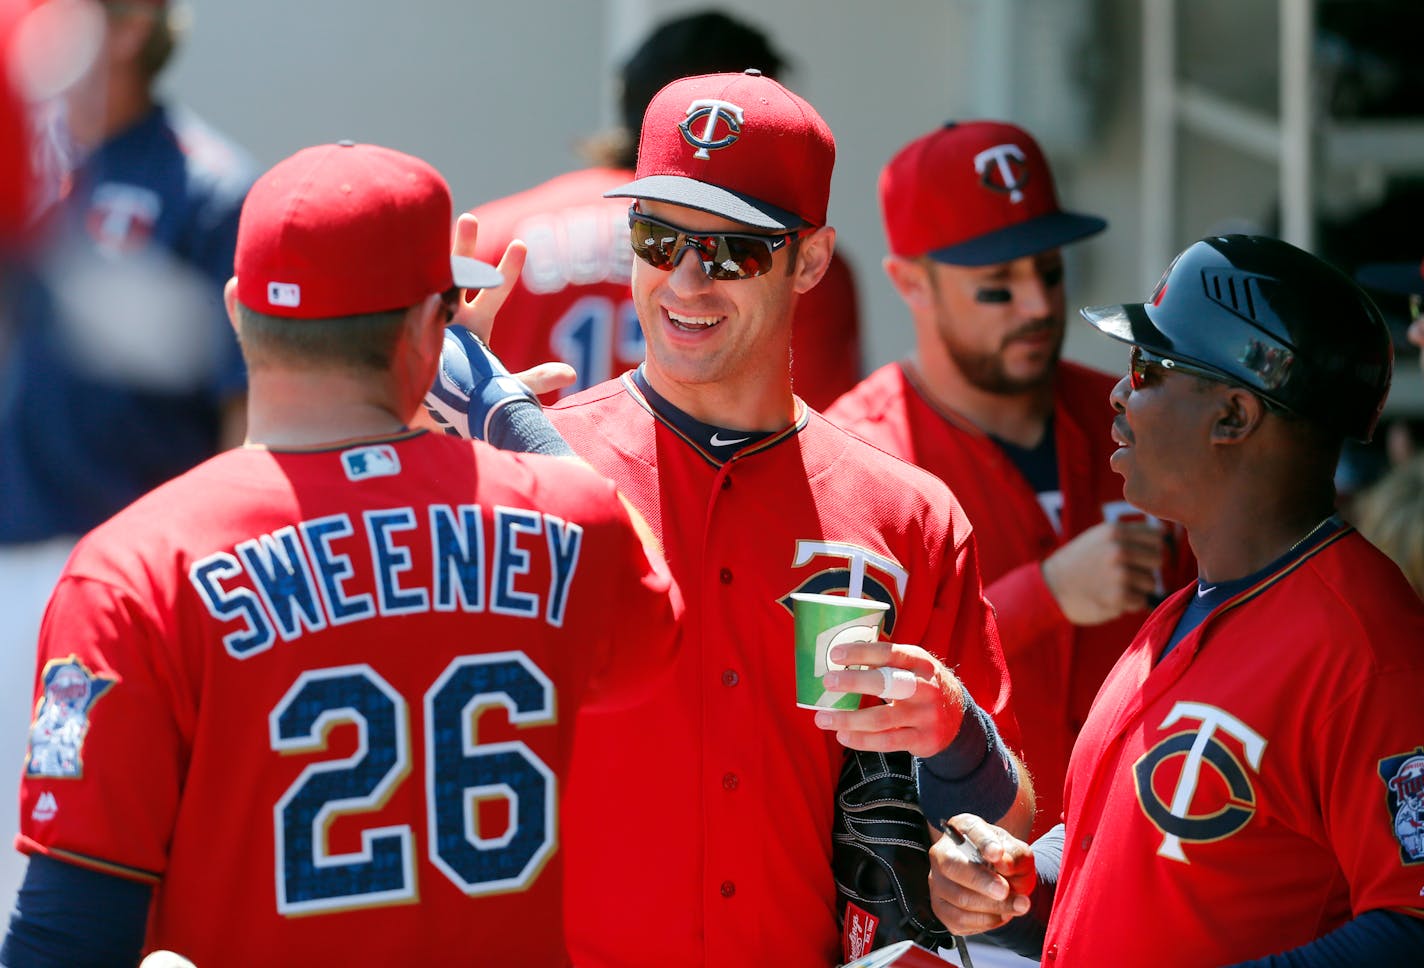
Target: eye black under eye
x,y
1051,276
993,296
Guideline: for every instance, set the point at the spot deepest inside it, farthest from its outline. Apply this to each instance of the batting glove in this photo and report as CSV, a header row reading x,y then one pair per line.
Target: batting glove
x,y
471,385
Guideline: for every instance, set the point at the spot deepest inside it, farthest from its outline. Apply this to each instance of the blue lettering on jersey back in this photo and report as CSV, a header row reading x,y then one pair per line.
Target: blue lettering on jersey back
x,y
294,580
333,569
392,559
457,537
565,541
256,635
284,581
511,560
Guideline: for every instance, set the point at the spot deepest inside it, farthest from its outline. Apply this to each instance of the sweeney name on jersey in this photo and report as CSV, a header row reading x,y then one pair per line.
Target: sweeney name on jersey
x,y
301,578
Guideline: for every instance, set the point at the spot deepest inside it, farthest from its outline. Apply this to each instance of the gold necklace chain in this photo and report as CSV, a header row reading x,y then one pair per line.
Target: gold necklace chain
x,y
1311,533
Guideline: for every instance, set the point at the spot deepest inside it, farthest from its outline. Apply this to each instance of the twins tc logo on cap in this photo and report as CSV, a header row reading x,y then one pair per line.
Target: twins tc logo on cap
x,y
975,193
1003,168
713,111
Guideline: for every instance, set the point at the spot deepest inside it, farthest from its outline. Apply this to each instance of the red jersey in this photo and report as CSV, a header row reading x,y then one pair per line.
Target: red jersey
x,y
325,699
573,301
718,850
1056,666
1262,784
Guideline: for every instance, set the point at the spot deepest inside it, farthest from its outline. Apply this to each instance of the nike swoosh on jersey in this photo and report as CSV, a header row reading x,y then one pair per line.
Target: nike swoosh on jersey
x,y
717,441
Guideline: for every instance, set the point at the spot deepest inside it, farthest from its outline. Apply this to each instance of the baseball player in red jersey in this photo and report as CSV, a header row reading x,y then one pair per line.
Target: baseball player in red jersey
x,y
572,301
1248,787
987,406
318,694
755,496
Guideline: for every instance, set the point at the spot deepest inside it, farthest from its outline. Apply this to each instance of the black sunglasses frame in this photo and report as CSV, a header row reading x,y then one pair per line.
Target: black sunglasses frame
x,y
708,246
1140,359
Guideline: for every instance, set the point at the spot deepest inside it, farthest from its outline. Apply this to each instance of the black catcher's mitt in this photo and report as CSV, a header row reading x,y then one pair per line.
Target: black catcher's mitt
x,y
880,856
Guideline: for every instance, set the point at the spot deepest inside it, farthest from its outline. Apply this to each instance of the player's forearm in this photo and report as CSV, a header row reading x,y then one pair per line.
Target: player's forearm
x,y
1018,819
475,396
1378,939
70,916
976,773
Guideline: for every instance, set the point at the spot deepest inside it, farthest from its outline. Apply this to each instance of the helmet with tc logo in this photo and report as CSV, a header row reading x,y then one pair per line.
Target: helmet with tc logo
x,y
1270,317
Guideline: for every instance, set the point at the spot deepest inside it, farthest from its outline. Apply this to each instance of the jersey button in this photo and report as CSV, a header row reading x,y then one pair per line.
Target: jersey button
x,y
726,483
1052,953
726,576
730,781
1087,841
730,677
728,888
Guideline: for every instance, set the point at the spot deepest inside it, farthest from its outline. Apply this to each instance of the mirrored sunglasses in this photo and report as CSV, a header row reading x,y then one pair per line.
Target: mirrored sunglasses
x,y
724,255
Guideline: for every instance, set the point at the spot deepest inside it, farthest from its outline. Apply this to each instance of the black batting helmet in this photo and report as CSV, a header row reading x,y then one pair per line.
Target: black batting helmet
x,y
1270,317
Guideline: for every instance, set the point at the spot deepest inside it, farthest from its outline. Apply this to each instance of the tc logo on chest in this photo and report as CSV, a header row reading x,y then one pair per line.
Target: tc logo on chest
x,y
849,570
1192,785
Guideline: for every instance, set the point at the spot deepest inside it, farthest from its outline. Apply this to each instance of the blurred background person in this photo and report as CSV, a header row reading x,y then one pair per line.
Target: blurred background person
x,y
118,369
1391,514
573,302
1391,511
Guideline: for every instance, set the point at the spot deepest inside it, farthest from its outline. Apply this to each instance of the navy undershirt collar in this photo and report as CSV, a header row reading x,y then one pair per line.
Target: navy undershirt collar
x,y
1039,463
1209,597
719,442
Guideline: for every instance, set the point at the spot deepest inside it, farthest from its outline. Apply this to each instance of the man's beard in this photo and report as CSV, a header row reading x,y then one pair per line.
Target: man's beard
x,y
985,371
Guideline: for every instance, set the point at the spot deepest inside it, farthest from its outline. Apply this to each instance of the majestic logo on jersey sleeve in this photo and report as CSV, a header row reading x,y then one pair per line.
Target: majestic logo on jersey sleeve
x,y
866,575
1403,777
1211,797
1002,169
713,114
378,460
62,718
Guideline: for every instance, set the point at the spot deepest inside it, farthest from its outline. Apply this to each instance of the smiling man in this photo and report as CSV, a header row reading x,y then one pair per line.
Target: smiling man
x,y
721,851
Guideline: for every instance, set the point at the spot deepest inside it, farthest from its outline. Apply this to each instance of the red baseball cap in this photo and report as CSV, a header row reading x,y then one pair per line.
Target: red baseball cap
x,y
975,193
736,145
346,229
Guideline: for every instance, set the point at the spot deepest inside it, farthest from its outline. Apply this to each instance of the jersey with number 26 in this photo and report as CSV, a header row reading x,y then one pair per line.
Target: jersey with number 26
x,y
324,699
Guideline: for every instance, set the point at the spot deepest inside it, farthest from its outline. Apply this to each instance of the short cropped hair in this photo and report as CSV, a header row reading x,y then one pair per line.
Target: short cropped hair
x,y
365,343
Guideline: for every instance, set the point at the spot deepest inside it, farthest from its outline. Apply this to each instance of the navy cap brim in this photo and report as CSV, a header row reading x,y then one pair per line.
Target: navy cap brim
x,y
474,274
714,200
1016,241
1129,323
1404,277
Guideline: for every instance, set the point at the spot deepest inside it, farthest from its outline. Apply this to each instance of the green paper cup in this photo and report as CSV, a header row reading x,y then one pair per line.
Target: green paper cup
x,y
821,622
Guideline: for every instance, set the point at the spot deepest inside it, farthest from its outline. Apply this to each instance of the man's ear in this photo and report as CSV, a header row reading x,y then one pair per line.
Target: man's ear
x,y
813,257
911,279
426,325
230,303
1239,415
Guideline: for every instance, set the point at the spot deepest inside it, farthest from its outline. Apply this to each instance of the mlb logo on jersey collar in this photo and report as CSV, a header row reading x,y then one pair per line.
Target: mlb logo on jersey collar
x,y
376,460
